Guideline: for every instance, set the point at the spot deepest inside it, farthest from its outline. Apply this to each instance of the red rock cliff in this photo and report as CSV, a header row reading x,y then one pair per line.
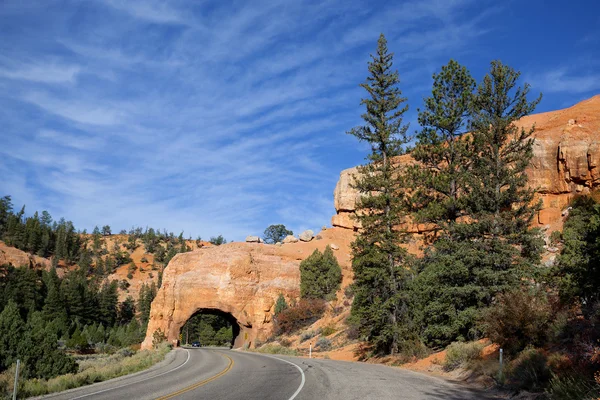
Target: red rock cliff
x,y
566,162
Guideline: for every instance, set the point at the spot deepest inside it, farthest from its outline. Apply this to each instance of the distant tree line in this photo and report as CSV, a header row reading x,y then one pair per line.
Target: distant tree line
x,y
43,314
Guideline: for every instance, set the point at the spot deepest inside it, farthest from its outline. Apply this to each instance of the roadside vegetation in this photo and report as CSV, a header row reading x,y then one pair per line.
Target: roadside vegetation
x,y
480,274
92,368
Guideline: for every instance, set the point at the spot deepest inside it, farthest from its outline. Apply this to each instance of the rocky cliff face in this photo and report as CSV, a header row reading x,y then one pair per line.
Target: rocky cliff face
x,y
566,162
242,279
18,258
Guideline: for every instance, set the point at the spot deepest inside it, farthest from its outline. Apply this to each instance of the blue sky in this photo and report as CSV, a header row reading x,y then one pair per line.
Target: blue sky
x,y
223,117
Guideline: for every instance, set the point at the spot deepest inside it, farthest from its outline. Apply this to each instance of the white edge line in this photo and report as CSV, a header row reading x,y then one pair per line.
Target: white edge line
x,y
301,372
141,380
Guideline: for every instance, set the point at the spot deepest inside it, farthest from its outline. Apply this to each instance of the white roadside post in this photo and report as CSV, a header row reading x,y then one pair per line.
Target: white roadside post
x,y
310,350
16,380
500,373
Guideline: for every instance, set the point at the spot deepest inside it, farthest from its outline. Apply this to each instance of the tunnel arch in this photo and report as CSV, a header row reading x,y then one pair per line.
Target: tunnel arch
x,y
241,279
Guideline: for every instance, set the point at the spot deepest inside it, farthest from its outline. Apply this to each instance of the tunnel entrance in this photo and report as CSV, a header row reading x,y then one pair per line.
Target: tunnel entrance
x,y
210,327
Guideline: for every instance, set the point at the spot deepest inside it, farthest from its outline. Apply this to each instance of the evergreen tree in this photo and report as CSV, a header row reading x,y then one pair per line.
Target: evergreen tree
x,y
218,240
12,328
320,275
443,155
379,262
577,271
146,296
126,311
493,248
108,299
38,350
54,307
6,208
280,304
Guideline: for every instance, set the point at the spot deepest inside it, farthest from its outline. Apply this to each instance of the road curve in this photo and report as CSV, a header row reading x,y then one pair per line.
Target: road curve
x,y
233,375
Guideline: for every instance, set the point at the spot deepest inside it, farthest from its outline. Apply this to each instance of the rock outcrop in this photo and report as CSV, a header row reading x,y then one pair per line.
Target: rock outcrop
x,y
566,162
290,239
306,236
241,279
18,258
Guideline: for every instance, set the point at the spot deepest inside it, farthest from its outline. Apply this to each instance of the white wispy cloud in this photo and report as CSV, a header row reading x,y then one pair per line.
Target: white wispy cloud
x,y
208,117
565,80
44,73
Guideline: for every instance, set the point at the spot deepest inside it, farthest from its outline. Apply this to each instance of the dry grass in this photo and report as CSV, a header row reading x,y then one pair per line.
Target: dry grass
x,y
276,349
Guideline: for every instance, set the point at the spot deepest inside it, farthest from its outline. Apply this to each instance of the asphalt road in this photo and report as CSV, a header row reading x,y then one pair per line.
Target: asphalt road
x,y
208,373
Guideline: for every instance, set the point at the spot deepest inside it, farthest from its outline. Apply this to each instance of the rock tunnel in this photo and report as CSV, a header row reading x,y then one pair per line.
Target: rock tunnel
x,y
242,280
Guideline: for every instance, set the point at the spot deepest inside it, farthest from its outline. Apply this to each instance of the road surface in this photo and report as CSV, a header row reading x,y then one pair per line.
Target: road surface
x,y
208,373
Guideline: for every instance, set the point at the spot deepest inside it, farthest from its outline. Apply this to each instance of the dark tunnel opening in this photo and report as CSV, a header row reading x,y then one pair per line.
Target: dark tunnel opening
x,y
210,327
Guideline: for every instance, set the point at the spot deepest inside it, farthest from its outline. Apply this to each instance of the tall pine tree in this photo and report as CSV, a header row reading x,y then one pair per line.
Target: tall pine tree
x,y
379,262
492,248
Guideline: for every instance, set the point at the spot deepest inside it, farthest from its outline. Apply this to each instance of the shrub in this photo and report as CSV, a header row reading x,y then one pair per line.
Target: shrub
x,y
529,370
285,342
323,344
307,335
158,337
555,238
304,313
459,354
518,319
349,292
277,349
328,330
572,386
352,332
144,260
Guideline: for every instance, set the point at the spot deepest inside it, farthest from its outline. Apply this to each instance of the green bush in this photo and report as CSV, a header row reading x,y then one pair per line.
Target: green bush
x,y
529,371
280,304
459,354
328,330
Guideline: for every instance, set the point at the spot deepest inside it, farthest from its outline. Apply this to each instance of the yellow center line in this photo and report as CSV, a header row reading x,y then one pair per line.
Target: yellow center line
x,y
201,383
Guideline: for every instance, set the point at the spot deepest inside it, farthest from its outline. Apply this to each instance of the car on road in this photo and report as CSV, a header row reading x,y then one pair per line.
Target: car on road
x,y
195,344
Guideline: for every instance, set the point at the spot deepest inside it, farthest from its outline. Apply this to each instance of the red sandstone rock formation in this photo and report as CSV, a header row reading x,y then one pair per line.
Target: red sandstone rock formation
x,y
18,258
566,162
242,279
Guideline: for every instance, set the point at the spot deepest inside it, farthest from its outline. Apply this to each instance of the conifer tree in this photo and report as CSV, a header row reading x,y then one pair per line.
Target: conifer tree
x,y
443,155
280,304
380,309
493,248
320,275
12,328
